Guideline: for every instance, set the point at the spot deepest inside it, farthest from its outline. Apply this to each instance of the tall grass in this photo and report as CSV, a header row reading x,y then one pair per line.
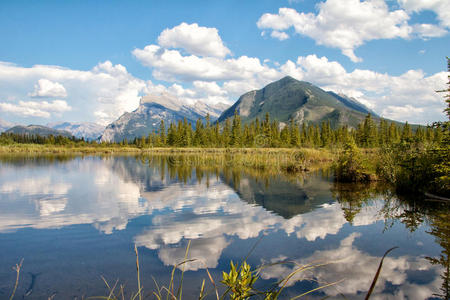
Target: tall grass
x,y
286,160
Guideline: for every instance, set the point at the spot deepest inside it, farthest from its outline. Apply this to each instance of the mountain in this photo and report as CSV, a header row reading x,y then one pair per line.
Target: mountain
x,y
5,125
37,130
301,101
213,111
152,109
86,130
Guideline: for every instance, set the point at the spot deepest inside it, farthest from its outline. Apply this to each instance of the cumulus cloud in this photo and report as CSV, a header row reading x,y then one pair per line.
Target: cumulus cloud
x,y
440,7
279,35
101,94
172,65
198,40
348,24
42,109
403,113
429,31
47,88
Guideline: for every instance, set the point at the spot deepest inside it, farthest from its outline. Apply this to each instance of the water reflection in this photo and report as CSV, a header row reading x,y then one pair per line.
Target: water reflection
x,y
82,191
220,208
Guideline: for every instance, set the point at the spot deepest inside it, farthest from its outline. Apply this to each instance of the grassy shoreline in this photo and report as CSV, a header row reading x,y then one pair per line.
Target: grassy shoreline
x,y
73,149
287,160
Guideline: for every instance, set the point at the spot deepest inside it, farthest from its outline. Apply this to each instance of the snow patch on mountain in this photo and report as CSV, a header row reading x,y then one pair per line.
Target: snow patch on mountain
x,y
86,130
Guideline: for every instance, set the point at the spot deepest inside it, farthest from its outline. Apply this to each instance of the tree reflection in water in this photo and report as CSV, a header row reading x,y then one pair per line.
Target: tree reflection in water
x,y
410,211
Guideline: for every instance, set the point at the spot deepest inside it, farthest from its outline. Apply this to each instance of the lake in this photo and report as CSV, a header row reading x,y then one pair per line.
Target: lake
x,y
76,219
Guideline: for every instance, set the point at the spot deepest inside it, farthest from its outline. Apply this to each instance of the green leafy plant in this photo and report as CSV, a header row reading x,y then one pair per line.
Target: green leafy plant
x,y
239,282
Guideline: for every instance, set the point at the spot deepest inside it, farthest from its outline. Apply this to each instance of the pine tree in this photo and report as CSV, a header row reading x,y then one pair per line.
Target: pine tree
x,y
285,137
369,134
198,133
226,133
171,135
383,133
236,130
208,131
216,135
393,136
162,133
406,133
294,134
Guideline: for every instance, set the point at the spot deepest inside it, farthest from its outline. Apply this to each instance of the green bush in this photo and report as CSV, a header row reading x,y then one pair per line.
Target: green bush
x,y
351,166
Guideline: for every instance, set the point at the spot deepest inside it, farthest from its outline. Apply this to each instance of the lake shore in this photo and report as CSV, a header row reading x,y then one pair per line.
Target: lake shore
x,y
99,149
287,160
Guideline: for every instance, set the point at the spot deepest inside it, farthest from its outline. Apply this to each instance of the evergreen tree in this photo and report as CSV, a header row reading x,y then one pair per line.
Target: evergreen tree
x,y
236,130
383,133
369,134
393,136
226,133
406,133
294,134
216,136
172,135
162,133
285,137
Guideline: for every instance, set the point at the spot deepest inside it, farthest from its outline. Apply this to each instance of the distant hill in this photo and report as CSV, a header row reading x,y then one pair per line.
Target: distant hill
x,y
86,130
38,130
152,109
301,101
5,125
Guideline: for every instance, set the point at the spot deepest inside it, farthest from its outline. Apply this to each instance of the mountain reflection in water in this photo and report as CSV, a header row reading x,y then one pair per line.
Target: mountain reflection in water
x,y
159,204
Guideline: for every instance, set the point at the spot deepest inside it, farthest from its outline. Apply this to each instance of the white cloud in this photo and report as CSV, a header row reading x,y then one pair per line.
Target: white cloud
x,y
194,39
171,65
47,88
403,113
440,7
279,35
348,24
101,94
429,30
42,109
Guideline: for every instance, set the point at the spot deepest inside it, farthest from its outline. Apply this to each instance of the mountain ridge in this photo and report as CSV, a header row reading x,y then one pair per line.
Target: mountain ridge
x,y
300,101
38,130
87,130
151,110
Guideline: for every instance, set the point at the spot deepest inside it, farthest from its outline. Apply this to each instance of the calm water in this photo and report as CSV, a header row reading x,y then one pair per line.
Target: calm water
x,y
74,220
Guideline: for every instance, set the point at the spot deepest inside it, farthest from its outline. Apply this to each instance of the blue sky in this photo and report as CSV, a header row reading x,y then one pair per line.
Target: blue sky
x,y
92,60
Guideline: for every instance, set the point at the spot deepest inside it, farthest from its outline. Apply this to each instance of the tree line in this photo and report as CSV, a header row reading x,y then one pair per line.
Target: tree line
x,y
273,134
7,138
260,133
